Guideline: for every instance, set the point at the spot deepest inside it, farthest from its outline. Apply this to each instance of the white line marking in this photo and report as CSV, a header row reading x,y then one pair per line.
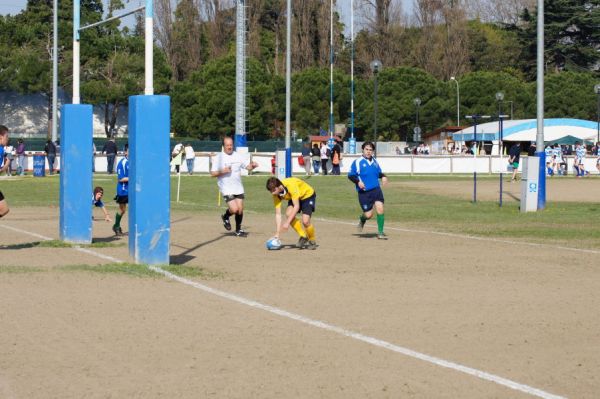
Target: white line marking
x,y
457,235
76,247
338,330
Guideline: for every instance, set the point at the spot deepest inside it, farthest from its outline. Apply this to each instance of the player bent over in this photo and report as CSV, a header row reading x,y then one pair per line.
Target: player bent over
x,y
301,197
227,168
365,173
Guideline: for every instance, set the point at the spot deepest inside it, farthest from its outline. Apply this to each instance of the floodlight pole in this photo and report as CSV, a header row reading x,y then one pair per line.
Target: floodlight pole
x,y
149,49
76,19
331,123
500,98
540,107
288,90
55,71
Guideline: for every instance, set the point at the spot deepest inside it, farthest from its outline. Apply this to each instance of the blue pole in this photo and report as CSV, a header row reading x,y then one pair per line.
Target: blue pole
x,y
475,161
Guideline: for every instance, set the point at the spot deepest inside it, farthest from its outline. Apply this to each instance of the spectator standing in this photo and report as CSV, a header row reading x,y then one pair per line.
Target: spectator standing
x,y
597,153
227,168
190,157
177,152
336,158
110,149
9,150
316,158
93,157
21,157
579,164
306,157
324,157
532,149
514,155
50,151
365,173
3,140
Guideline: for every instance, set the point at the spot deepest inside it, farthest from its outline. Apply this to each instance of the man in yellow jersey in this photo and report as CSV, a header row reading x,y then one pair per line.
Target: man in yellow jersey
x,y
301,197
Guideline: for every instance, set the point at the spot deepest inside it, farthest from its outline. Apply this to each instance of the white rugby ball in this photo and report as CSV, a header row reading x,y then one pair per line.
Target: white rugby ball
x,y
273,243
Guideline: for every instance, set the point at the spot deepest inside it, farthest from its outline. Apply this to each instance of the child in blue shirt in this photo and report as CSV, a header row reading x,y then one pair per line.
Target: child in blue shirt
x,y
97,202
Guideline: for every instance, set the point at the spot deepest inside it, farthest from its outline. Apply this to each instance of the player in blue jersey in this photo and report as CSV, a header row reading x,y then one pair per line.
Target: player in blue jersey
x,y
3,167
365,173
122,197
97,202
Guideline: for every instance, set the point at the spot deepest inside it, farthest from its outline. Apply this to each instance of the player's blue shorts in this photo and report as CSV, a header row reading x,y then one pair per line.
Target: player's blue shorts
x,y
367,198
307,206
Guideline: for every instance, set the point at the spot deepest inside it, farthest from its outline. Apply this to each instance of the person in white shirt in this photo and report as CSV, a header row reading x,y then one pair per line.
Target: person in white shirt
x,y
190,156
227,168
177,152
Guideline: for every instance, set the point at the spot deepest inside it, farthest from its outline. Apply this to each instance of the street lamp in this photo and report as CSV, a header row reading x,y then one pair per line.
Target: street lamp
x,y
457,100
375,67
417,129
597,91
500,98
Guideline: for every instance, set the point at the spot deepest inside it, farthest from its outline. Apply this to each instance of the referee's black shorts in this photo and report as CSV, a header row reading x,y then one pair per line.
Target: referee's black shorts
x,y
368,198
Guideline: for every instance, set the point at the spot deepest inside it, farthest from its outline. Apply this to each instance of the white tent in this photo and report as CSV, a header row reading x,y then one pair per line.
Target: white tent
x,y
526,130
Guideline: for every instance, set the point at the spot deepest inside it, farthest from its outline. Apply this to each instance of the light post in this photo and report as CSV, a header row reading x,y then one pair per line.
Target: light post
x,y
500,98
417,129
475,118
457,100
375,67
597,91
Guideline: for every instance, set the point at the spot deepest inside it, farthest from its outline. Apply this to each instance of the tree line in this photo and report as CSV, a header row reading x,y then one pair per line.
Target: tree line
x,y
486,45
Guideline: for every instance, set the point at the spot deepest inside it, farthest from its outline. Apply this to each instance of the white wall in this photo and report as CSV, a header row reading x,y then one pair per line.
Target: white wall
x,y
408,164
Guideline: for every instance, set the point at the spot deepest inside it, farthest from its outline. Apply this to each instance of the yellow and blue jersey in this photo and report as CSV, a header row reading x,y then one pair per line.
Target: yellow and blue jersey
x,y
294,189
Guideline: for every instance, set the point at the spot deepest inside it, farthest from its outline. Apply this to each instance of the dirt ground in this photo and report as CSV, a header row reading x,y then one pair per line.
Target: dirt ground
x,y
562,189
77,334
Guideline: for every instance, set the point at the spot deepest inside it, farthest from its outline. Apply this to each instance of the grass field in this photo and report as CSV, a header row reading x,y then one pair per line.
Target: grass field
x,y
569,223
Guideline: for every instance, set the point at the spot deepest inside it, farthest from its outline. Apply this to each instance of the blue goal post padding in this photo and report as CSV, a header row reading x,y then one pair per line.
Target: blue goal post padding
x,y
149,179
76,173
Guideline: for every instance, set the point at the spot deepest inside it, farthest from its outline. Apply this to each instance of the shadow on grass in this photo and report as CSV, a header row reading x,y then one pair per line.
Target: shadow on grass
x,y
184,257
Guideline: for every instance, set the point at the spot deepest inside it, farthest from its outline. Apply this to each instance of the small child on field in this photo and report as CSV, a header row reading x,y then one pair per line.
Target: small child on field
x,y
97,202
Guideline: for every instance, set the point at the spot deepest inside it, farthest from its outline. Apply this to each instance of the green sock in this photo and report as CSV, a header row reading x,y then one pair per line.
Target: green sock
x,y
118,217
363,218
380,220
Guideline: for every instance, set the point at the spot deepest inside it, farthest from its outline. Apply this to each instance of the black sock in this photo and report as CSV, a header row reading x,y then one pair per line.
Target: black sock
x,y
238,221
227,214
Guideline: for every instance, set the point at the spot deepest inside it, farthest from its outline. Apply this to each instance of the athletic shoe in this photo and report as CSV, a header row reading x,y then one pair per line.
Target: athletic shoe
x,y
241,233
312,245
302,243
361,225
382,236
226,222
